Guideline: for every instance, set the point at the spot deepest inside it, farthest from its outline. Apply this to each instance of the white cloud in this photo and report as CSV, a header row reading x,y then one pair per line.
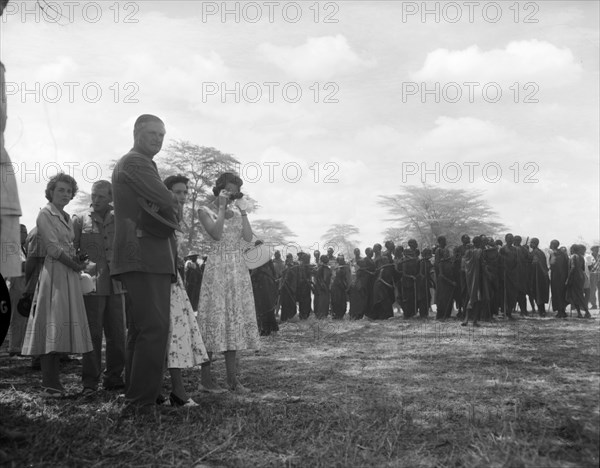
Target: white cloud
x,y
464,132
520,61
368,134
379,136
317,59
459,140
61,68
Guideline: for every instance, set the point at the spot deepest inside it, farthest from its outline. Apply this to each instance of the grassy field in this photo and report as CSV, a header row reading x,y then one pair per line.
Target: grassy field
x,y
326,394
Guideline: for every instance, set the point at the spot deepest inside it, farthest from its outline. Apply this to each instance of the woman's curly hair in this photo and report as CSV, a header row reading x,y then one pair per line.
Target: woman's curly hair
x,y
61,177
228,178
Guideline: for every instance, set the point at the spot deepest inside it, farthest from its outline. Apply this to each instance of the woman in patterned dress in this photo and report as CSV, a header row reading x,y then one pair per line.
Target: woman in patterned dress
x,y
226,309
185,347
57,323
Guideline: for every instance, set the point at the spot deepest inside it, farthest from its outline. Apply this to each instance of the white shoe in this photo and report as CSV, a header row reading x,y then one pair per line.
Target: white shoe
x,y
178,402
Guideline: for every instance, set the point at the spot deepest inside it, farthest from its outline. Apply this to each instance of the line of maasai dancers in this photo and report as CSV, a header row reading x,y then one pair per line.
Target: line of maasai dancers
x,y
480,279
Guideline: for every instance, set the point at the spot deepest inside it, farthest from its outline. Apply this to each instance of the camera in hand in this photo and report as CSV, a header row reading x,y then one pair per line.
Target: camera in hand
x,y
82,257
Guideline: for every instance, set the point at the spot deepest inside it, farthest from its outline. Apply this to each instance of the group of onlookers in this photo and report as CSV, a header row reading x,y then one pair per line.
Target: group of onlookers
x,y
80,282
117,273
73,288
480,278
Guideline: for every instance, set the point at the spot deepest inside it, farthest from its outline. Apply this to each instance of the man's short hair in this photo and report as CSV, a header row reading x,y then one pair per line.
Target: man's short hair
x,y
101,184
143,119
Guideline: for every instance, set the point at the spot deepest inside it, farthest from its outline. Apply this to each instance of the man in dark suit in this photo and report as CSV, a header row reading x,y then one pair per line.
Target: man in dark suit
x,y
144,259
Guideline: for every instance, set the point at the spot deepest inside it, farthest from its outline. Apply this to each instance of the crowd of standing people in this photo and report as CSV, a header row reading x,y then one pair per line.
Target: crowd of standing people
x,y
113,270
480,279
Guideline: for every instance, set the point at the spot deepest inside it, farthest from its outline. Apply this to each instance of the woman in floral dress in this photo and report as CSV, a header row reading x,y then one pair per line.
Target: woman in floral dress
x,y
185,347
226,309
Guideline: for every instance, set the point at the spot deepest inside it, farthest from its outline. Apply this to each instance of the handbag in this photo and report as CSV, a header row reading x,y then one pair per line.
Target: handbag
x,y
24,304
88,284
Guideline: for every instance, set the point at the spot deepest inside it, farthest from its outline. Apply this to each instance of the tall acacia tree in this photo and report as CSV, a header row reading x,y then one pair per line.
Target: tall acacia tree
x,y
341,238
202,165
272,232
395,234
426,212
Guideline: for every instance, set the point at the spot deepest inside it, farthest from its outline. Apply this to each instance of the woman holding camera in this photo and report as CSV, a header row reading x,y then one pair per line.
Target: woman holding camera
x,y
57,322
226,309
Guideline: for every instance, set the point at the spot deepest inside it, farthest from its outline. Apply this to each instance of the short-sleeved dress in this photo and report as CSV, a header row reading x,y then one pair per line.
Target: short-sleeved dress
x,y
57,322
226,311
186,346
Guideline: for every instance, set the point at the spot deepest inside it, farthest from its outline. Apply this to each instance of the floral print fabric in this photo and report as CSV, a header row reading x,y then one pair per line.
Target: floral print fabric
x,y
226,310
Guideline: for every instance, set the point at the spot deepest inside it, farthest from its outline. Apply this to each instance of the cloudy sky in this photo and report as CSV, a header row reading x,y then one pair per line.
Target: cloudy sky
x,y
327,104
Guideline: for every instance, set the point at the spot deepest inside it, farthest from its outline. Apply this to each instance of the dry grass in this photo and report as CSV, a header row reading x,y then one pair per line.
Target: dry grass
x,y
326,394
